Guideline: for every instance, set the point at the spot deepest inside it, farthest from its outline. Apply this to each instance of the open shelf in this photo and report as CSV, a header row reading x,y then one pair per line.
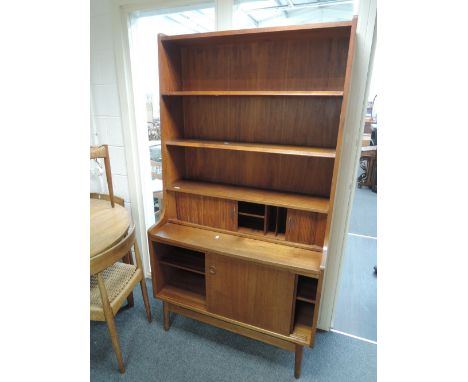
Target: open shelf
x,y
304,315
302,261
185,286
184,259
256,148
254,195
306,289
281,93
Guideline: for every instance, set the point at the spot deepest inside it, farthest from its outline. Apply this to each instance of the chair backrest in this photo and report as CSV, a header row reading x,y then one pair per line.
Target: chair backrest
x,y
117,199
103,152
105,259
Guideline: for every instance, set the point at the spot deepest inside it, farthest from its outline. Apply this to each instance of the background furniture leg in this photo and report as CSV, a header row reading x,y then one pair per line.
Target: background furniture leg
x,y
144,292
167,323
298,361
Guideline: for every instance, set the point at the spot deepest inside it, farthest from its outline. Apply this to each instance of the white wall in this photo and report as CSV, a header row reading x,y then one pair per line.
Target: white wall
x,y
106,126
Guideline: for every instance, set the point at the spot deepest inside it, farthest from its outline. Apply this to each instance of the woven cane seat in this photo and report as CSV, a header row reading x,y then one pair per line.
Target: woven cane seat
x,y
116,278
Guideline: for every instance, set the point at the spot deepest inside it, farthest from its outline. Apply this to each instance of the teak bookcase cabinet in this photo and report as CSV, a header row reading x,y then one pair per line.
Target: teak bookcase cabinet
x,y
252,128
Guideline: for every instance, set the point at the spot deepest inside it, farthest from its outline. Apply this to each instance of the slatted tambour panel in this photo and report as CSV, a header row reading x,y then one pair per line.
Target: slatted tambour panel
x,y
311,176
208,211
301,121
298,60
305,227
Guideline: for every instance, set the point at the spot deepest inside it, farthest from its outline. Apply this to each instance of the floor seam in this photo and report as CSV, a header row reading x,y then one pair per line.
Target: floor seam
x,y
364,236
353,336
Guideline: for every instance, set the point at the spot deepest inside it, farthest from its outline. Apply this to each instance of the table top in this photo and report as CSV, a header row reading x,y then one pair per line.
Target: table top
x,y
108,225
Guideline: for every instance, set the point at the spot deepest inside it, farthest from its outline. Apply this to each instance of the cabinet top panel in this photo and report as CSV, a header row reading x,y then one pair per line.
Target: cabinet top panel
x,y
256,33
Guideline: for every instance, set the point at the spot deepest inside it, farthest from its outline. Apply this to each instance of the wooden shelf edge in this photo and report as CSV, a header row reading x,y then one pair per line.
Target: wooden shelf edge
x,y
175,265
254,93
270,237
194,299
252,215
305,299
302,151
253,195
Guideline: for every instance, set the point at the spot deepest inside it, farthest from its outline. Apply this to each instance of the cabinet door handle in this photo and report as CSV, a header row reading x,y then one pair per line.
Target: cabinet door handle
x,y
212,269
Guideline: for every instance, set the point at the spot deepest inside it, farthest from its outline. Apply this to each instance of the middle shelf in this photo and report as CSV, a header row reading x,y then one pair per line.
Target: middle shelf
x,y
254,195
255,147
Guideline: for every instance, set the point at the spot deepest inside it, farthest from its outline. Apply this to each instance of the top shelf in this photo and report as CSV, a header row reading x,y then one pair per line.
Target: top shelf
x,y
281,93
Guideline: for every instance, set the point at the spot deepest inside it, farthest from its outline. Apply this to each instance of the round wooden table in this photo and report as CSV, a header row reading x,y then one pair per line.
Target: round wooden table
x,y
108,225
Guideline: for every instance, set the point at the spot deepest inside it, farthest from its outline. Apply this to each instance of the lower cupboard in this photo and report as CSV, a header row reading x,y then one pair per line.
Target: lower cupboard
x,y
261,301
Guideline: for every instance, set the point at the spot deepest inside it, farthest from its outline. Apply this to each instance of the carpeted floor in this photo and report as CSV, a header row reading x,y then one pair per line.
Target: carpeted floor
x,y
356,306
193,351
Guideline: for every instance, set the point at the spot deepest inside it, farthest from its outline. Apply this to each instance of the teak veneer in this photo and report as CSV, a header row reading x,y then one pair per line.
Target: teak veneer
x,y
302,151
252,128
323,93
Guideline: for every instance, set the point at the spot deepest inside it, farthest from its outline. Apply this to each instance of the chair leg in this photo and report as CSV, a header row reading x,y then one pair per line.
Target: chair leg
x,y
110,322
144,292
115,342
128,259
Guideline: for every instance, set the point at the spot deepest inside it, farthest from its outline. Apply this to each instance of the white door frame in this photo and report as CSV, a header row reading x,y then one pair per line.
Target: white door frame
x,y
346,181
351,149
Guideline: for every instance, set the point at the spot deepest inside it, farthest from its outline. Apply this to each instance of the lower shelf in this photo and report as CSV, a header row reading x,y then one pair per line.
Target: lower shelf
x,y
303,318
184,286
301,334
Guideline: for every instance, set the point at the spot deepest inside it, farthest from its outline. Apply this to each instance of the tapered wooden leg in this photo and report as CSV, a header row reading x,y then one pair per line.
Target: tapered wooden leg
x,y
110,322
144,292
167,323
298,361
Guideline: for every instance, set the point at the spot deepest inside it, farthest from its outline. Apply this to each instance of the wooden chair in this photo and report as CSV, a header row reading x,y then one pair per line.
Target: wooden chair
x,y
128,258
103,152
111,283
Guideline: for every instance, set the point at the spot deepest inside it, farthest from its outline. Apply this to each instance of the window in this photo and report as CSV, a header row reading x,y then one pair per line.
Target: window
x,y
145,27
267,13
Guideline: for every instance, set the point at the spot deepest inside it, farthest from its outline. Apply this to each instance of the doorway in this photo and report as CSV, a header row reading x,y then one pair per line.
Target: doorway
x,y
356,304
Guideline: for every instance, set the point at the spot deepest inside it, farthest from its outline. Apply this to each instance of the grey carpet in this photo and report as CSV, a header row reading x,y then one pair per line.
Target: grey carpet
x,y
364,213
194,351
356,306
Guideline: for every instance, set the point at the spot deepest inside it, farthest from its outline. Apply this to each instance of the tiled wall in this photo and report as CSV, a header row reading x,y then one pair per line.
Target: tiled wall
x,y
106,126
